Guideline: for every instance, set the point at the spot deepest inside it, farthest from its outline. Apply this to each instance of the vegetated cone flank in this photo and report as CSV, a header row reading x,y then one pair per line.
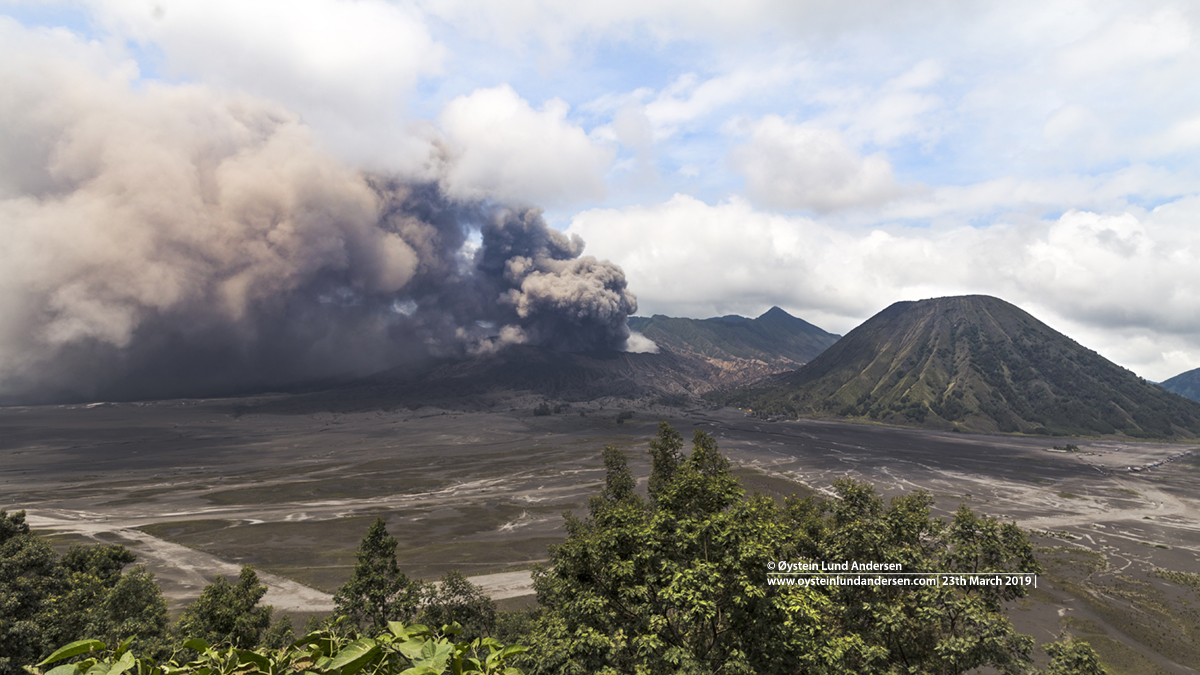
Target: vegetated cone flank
x,y
1185,384
974,363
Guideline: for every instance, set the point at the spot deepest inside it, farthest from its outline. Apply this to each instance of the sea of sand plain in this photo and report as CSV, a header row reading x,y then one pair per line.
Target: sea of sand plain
x,y
199,487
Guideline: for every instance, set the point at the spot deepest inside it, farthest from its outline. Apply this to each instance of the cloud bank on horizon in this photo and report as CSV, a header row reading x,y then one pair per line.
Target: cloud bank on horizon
x,y
827,157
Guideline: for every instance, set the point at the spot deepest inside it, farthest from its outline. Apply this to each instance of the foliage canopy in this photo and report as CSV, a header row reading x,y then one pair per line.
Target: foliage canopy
x,y
678,582
400,649
46,600
228,613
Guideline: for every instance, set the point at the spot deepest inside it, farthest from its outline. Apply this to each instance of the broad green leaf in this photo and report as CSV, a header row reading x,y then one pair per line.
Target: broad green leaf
x,y
65,669
420,670
498,657
100,668
354,656
197,644
247,656
74,649
513,651
308,639
411,648
434,654
123,664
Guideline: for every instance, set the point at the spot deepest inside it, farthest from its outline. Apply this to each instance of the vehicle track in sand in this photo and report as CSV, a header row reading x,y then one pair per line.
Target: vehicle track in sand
x,y
183,572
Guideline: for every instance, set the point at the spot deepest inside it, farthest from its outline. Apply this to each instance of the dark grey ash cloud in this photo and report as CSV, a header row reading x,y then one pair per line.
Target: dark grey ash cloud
x,y
176,242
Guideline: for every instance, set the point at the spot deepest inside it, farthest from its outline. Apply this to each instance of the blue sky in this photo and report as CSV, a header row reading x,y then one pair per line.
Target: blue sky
x,y
827,157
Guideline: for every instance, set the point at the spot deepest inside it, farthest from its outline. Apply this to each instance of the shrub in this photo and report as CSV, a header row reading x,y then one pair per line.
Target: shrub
x,y
401,648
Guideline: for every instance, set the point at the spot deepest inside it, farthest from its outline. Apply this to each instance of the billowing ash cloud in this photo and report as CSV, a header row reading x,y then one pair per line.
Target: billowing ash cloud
x,y
176,242
548,293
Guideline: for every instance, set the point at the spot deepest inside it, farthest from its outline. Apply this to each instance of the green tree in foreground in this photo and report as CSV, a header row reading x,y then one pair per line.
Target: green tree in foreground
x,y
46,600
29,576
935,629
378,592
455,600
279,634
135,608
1073,657
228,613
678,583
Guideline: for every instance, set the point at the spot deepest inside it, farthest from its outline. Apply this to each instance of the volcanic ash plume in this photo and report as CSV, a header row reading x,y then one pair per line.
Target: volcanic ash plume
x,y
172,242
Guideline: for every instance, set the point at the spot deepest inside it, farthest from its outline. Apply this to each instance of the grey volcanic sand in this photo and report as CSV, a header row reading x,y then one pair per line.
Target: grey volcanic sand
x,y
291,491
480,492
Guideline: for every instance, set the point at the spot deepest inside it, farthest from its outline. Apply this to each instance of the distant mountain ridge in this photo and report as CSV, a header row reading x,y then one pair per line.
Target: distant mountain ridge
x,y
742,349
1185,384
974,363
695,358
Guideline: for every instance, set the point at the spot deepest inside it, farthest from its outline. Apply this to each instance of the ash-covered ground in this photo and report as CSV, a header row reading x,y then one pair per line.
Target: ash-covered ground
x,y
199,487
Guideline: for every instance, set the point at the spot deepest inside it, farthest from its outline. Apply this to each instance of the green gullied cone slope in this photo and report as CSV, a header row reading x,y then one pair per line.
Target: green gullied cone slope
x,y
974,363
1185,384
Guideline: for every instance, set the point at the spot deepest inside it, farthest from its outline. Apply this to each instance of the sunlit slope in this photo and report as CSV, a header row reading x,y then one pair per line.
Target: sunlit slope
x,y
974,363
1185,384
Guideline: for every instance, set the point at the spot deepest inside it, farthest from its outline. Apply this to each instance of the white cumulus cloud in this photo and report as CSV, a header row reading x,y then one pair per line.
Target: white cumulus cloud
x,y
348,68
498,146
1090,275
792,166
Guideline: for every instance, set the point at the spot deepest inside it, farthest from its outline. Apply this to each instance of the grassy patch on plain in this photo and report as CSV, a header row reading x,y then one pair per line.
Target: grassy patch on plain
x,y
322,553
1138,610
185,531
776,487
1054,534
326,547
327,488
114,538
471,558
145,496
1064,561
1130,611
61,542
1188,579
1119,658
